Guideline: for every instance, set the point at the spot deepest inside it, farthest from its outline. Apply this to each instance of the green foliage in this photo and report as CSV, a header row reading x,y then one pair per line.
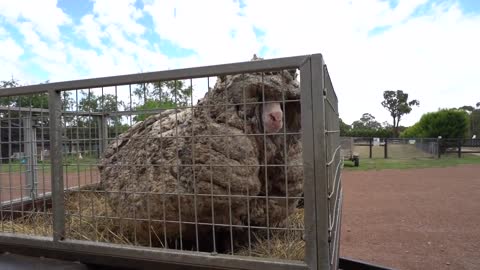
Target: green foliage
x,y
396,102
34,101
344,128
169,92
474,121
162,95
104,103
151,96
467,108
380,133
367,126
448,123
367,121
152,104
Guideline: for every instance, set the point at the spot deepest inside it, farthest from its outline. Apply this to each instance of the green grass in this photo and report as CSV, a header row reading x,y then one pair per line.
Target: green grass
x,y
381,163
395,151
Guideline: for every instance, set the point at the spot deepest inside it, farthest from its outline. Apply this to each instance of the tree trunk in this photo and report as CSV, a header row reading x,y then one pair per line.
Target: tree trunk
x,y
395,127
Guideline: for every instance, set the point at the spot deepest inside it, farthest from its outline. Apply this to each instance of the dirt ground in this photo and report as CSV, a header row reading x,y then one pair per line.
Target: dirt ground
x,y
14,185
403,219
413,219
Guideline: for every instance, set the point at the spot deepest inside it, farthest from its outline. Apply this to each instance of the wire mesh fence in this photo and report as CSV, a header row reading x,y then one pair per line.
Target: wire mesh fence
x,y
458,147
207,161
25,166
396,148
406,148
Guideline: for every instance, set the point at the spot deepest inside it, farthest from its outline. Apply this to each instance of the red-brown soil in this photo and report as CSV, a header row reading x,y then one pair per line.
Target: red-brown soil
x,y
413,219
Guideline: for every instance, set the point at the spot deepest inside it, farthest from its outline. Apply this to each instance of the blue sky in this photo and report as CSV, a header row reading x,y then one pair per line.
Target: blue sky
x,y
426,48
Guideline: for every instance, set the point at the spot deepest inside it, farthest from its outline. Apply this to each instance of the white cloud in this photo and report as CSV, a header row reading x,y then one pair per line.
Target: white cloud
x,y
91,30
119,23
10,51
51,52
44,15
118,37
9,57
217,35
121,13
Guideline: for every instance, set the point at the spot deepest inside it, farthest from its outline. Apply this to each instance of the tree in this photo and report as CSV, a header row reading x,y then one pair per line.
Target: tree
x,y
448,123
396,102
386,124
473,118
369,133
344,128
475,123
367,121
367,126
467,108
162,95
104,103
34,101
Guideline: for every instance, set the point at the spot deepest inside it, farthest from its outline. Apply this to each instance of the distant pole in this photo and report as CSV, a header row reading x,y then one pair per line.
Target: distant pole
x,y
385,148
371,146
459,148
438,146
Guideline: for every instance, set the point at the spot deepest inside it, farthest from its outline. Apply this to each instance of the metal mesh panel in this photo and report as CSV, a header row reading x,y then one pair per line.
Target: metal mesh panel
x,y
199,210
193,160
412,148
25,185
333,153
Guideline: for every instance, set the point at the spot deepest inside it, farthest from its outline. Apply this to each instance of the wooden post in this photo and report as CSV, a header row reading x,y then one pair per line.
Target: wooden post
x,y
459,148
385,148
438,148
371,146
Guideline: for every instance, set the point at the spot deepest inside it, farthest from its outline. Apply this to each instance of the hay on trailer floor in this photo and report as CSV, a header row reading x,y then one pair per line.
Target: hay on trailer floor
x,y
87,218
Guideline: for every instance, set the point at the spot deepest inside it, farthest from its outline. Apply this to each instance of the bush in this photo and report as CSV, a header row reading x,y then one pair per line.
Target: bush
x,y
448,123
380,133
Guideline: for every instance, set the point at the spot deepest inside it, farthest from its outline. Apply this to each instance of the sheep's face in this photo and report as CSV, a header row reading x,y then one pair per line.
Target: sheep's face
x,y
269,101
272,117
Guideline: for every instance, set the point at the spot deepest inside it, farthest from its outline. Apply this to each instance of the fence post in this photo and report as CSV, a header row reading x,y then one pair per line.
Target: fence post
x,y
385,148
459,148
30,146
58,207
438,148
315,170
103,133
371,146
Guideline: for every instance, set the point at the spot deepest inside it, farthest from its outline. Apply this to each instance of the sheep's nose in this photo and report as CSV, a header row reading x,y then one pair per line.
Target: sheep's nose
x,y
276,116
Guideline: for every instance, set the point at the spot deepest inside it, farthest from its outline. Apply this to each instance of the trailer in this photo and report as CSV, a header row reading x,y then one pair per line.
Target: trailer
x,y
70,171
347,146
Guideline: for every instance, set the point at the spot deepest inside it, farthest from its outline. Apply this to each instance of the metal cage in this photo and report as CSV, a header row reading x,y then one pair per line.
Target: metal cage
x,y
54,148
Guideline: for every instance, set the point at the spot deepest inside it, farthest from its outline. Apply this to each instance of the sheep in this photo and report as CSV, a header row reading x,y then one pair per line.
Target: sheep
x,y
206,165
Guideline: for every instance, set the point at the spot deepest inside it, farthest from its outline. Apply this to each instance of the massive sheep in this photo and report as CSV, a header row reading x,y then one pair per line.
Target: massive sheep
x,y
206,165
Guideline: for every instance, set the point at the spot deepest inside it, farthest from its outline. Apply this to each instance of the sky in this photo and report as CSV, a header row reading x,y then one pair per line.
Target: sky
x,y
429,49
